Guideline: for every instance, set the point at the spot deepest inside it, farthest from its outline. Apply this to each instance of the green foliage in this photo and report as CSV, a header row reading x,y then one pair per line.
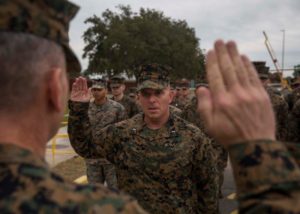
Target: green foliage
x,y
120,42
296,71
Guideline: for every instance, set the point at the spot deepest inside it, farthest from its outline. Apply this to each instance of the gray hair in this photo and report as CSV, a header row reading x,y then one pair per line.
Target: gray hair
x,y
24,62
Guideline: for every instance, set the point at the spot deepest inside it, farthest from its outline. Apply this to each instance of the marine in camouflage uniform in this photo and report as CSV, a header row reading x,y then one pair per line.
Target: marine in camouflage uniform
x,y
101,115
280,106
184,94
27,185
191,114
294,117
169,170
117,83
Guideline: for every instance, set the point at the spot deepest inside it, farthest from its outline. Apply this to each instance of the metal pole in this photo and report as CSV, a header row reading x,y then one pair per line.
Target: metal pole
x,y
283,47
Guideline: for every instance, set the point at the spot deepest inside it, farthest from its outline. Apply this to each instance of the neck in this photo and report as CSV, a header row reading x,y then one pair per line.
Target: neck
x,y
20,133
118,97
157,123
100,101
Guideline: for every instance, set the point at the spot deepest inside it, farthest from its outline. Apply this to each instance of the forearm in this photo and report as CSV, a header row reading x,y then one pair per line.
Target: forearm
x,y
266,175
79,131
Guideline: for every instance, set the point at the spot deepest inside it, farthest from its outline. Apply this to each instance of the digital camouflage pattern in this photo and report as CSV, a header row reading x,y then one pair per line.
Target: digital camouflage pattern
x,y
175,102
29,186
170,170
182,101
153,76
43,18
175,111
294,123
129,105
267,177
281,114
100,170
191,114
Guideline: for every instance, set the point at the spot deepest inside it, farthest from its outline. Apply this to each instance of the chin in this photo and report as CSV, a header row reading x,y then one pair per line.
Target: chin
x,y
153,116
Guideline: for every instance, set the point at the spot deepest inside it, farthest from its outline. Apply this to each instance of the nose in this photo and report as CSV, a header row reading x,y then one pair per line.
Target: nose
x,y
152,98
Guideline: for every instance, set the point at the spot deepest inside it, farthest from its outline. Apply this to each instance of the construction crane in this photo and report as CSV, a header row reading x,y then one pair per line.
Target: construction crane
x,y
284,83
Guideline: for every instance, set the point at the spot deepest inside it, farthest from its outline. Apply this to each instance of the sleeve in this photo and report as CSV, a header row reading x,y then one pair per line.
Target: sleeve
x,y
281,113
80,134
267,177
296,109
122,115
206,177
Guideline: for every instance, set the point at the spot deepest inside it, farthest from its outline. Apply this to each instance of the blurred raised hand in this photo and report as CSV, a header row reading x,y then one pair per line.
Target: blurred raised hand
x,y
236,107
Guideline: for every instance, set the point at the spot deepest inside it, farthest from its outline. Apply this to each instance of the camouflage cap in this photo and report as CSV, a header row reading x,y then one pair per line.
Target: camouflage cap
x,y
99,83
183,83
295,83
116,80
153,76
262,69
48,19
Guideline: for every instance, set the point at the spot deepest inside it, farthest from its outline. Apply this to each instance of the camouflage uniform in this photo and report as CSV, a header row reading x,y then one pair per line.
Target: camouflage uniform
x,y
175,102
182,101
267,176
281,114
100,170
169,170
129,105
29,186
191,114
294,121
176,111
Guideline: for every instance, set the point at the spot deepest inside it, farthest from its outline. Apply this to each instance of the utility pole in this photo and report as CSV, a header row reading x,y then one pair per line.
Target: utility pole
x,y
283,49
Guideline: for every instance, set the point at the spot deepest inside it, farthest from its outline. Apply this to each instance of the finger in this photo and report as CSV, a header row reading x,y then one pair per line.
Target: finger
x,y
214,76
85,86
205,105
252,73
240,69
75,85
80,83
225,63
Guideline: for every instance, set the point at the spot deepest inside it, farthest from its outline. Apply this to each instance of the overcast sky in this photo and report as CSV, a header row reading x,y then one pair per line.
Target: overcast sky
x,y
239,20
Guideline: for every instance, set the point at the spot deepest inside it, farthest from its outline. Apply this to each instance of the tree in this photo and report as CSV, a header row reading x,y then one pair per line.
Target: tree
x,y
296,71
120,42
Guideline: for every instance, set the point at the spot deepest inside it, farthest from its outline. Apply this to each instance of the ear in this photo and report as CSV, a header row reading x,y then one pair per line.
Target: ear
x,y
57,89
171,95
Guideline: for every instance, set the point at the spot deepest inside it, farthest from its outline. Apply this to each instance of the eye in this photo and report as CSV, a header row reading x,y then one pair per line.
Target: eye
x,y
145,94
158,92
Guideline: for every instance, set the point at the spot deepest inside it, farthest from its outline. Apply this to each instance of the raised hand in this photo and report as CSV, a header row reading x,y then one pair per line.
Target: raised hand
x,y
236,107
80,91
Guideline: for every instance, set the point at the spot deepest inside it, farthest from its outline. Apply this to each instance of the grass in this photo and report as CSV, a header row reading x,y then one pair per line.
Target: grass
x,y
71,169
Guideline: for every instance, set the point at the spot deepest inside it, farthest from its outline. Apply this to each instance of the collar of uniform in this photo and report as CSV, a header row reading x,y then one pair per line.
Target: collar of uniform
x,y
14,154
140,124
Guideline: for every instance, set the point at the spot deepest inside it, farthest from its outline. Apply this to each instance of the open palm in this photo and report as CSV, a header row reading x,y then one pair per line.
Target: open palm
x,y
80,91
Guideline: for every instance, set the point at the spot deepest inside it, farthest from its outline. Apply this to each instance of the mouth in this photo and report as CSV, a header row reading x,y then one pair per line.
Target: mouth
x,y
153,109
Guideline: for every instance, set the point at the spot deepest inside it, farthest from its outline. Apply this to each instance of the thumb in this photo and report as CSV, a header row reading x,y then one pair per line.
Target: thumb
x,y
205,106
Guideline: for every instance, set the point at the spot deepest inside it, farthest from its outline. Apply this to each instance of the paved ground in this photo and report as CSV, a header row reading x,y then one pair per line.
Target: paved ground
x,y
60,150
228,204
